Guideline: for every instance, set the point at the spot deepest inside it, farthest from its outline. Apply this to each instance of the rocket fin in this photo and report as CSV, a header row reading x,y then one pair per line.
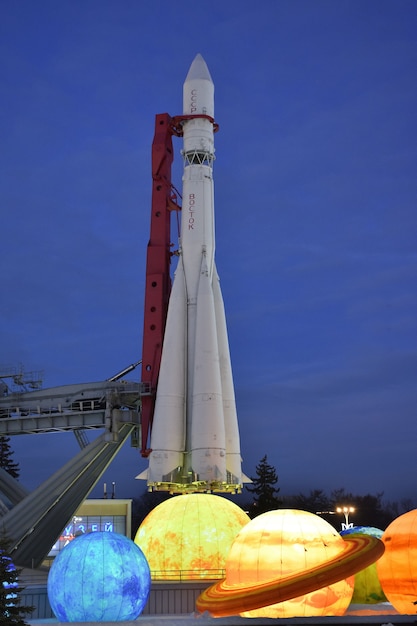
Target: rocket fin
x,y
208,445
168,430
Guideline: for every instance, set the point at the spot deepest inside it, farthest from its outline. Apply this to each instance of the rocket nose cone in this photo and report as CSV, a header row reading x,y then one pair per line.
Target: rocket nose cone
x,y
198,70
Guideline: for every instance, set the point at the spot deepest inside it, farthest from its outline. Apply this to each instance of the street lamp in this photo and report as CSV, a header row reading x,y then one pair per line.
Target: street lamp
x,y
346,510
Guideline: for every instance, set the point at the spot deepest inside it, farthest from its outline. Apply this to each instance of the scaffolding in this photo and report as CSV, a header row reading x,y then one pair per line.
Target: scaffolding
x,y
14,379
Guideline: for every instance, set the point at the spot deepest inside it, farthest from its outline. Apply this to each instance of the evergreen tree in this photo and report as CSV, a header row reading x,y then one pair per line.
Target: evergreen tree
x,y
11,610
263,487
6,461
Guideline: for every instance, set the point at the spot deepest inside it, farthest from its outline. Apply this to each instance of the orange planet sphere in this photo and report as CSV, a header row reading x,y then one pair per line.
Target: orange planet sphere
x,y
397,568
282,543
188,537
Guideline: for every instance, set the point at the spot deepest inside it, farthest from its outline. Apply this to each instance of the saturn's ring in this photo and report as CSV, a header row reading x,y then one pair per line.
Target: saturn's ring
x,y
358,552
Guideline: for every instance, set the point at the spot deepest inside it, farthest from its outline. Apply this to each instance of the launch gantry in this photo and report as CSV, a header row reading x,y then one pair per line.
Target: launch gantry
x,y
165,198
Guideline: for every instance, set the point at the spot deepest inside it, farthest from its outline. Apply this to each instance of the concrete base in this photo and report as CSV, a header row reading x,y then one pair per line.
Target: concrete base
x,y
381,614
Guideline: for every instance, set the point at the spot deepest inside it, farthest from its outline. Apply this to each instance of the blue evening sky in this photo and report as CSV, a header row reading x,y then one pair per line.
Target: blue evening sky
x,y
315,182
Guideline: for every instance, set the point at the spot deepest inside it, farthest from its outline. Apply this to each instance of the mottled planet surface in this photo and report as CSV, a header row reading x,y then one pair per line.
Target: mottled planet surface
x,y
188,537
397,568
289,563
99,577
368,589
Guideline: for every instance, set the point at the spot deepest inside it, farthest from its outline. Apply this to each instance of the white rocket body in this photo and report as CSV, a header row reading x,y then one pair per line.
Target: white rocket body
x,y
195,437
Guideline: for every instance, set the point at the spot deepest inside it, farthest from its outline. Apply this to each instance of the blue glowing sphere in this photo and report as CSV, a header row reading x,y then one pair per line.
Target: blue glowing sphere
x,y
363,530
99,577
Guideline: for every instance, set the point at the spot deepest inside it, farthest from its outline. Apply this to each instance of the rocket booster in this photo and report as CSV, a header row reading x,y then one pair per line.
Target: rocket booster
x,y
195,437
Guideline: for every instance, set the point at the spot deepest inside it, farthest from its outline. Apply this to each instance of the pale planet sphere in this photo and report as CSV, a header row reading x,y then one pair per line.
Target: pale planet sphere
x,y
286,542
189,536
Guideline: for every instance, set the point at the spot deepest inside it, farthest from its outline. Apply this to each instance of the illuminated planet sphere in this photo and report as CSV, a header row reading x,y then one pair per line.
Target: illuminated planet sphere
x,y
189,536
368,589
397,568
283,542
99,577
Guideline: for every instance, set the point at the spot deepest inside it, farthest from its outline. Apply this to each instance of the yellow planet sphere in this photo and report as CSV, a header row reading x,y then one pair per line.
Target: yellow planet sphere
x,y
286,542
188,537
397,568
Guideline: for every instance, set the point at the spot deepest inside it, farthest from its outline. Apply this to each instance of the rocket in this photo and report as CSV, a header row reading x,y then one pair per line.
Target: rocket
x,y
195,444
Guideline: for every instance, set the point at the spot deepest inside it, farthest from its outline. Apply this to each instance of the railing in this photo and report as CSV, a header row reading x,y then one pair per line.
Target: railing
x,y
169,576
165,598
